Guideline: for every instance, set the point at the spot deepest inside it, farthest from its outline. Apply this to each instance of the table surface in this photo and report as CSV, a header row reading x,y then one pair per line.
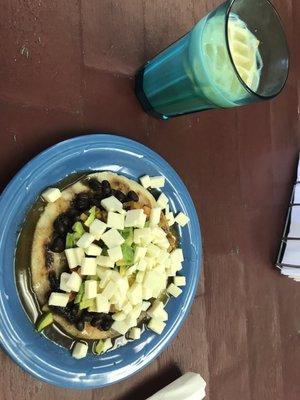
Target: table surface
x,y
67,68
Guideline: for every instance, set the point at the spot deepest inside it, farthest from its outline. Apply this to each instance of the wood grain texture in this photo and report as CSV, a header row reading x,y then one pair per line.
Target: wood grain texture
x,y
67,67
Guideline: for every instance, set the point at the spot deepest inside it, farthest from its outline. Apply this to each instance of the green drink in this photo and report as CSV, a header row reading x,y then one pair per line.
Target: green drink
x,y
228,59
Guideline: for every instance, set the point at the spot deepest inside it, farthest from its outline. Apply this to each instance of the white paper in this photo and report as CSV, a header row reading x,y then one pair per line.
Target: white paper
x,y
291,272
292,253
190,386
297,194
295,222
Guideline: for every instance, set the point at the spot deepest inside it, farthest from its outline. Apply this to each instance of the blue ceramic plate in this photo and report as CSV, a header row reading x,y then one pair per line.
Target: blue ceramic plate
x,y
32,351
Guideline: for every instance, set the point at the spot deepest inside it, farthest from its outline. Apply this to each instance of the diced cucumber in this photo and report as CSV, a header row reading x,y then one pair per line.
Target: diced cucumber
x,y
92,307
43,321
70,241
127,234
79,295
91,217
78,228
86,303
99,346
128,254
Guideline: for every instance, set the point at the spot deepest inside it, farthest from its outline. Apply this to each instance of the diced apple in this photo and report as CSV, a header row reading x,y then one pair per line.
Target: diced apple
x,y
182,219
147,293
153,250
163,243
139,253
105,261
142,236
135,218
97,228
112,204
115,253
112,238
140,276
156,325
155,216
157,182
174,290
109,290
80,350
127,307
120,327
79,254
130,321
136,311
89,266
115,220
74,282
90,289
93,250
177,255
71,258
145,305
155,309
85,241
158,233
115,276
58,299
162,201
151,261
131,270
135,333
51,194
123,286
142,265
134,293
104,278
120,316
145,181
64,277
102,304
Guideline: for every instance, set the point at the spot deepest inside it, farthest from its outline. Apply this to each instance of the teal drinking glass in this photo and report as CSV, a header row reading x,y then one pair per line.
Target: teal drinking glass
x,y
236,55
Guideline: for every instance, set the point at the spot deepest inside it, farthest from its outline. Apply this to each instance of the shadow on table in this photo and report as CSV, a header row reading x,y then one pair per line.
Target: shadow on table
x,y
153,384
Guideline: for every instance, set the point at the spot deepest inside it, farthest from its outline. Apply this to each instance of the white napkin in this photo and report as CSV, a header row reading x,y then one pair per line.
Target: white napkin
x,y
189,386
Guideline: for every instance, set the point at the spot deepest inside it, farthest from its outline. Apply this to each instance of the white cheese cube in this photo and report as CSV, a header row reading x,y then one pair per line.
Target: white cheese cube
x,y
80,350
71,258
153,250
123,286
105,261
142,265
163,243
150,261
145,181
112,238
115,276
131,270
112,204
97,228
145,305
156,292
156,308
139,253
130,321
142,236
64,277
79,253
155,216
135,333
177,255
162,201
170,272
115,253
135,218
90,289
140,276
174,290
120,326
162,315
147,293
157,182
115,220
179,281
134,293
89,266
182,219
109,290
158,233
93,250
51,195
156,325
159,268
120,316
153,280
85,241
106,345
127,307
104,277
136,311
74,282
58,299
102,304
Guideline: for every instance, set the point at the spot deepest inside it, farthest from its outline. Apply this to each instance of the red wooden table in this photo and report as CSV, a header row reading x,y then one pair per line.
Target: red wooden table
x,y
67,68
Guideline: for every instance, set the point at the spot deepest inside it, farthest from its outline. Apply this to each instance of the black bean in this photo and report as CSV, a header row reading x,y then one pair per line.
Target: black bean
x,y
57,245
74,309
62,224
97,198
106,189
132,196
106,322
82,201
94,184
120,196
80,325
73,213
96,321
54,282
86,316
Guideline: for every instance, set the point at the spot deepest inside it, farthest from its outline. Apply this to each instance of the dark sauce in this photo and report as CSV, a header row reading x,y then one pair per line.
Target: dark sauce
x,y
24,281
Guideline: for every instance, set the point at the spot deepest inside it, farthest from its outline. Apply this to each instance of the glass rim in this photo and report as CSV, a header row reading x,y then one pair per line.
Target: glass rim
x,y
252,92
